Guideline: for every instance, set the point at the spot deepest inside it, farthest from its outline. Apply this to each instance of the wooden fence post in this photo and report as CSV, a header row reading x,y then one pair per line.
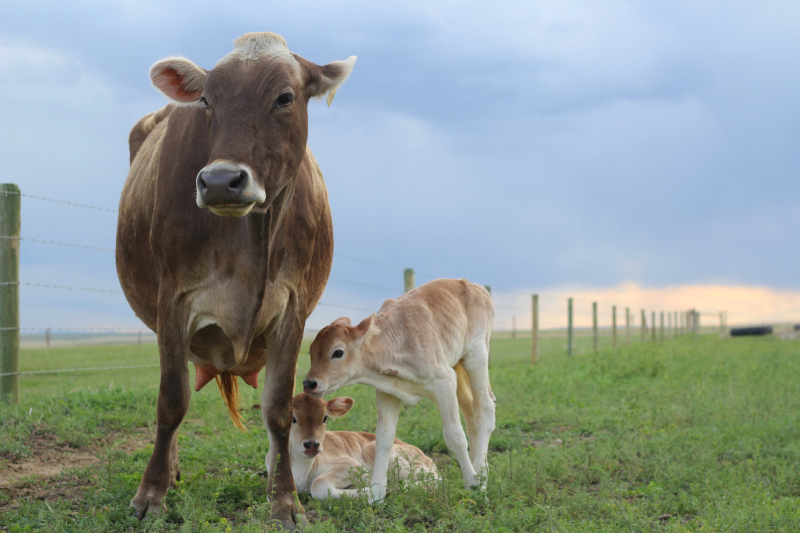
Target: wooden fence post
x,y
9,291
513,327
644,325
569,326
721,324
594,327
628,326
653,326
669,324
408,279
535,329
47,338
662,326
614,327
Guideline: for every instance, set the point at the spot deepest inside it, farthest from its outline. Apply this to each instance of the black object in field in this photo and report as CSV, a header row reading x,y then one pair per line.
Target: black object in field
x,y
751,330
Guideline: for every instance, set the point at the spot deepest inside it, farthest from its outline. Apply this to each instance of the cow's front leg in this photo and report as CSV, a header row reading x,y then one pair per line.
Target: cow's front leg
x,y
276,410
388,414
174,394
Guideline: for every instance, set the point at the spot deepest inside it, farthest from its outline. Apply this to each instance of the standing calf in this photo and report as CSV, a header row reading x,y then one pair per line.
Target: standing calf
x,y
434,342
322,461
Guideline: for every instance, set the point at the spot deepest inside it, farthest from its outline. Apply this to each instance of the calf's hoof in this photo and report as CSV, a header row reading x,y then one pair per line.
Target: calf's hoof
x,y
377,494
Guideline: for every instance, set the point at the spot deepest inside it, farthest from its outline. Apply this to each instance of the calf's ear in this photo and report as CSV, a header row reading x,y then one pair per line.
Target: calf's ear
x,y
364,326
340,406
179,79
327,78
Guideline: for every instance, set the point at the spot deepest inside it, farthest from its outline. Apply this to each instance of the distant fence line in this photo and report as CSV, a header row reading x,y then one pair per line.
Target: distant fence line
x,y
677,322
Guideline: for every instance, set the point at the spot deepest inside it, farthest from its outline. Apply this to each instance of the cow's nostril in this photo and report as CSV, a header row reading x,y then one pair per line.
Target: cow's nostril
x,y
201,184
309,384
240,182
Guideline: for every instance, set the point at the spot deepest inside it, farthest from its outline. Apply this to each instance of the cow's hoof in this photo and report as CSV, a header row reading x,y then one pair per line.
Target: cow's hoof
x,y
291,523
141,509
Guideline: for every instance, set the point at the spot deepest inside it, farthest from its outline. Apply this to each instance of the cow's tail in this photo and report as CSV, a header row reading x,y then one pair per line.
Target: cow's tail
x,y
229,388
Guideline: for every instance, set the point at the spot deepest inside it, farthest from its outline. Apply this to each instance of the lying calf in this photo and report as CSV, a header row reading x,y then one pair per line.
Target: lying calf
x,y
434,342
322,460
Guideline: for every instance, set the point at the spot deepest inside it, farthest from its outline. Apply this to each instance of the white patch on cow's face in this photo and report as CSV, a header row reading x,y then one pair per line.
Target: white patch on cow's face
x,y
258,45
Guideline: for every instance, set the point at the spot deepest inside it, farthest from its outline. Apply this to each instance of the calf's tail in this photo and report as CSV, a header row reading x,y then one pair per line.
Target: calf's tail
x,y
229,388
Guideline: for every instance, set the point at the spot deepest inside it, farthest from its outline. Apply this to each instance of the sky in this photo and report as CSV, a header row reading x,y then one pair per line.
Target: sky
x,y
639,153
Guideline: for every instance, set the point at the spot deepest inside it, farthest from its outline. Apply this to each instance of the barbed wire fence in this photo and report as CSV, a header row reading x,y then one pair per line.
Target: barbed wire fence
x,y
542,317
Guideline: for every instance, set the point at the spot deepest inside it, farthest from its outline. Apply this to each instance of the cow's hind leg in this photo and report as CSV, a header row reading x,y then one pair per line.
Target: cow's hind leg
x,y
276,410
174,394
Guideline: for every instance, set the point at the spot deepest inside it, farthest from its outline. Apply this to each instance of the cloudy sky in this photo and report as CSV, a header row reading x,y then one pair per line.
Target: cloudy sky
x,y
639,153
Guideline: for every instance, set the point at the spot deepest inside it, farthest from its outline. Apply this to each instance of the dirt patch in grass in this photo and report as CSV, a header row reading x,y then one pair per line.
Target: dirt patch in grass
x,y
40,476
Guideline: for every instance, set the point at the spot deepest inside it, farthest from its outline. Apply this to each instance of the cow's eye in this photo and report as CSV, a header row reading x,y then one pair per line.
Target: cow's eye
x,y
204,102
325,420
337,354
284,100
294,420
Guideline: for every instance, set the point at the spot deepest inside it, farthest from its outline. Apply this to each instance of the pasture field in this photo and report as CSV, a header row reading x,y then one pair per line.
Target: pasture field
x,y
696,434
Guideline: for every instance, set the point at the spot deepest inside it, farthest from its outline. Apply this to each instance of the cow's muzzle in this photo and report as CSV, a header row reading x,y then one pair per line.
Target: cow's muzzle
x,y
228,189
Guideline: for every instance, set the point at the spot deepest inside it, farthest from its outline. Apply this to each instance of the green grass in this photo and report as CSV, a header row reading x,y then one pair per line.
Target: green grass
x,y
696,434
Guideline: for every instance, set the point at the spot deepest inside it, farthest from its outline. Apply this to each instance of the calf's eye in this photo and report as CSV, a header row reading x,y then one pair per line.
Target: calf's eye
x,y
294,420
325,420
337,354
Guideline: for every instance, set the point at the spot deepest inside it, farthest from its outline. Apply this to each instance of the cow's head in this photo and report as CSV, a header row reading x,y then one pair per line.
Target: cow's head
x,y
336,357
255,101
309,420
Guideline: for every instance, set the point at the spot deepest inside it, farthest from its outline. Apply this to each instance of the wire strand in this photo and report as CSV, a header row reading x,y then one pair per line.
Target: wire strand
x,y
58,243
74,204
29,372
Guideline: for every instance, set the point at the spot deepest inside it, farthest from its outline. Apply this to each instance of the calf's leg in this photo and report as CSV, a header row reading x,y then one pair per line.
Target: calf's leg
x,y
388,414
174,394
477,367
329,485
444,394
276,411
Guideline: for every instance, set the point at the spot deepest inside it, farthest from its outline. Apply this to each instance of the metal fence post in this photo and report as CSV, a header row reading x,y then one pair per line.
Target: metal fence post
x,y
535,329
569,326
408,279
662,326
9,291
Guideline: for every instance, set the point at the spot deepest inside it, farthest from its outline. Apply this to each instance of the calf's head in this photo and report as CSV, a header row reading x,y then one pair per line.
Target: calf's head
x,y
336,356
309,420
255,105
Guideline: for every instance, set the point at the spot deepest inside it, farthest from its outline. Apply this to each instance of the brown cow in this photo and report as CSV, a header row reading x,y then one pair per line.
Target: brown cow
x,y
225,241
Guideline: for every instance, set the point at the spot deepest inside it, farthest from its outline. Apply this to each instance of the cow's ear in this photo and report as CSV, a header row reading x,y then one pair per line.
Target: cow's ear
x,y
179,79
340,406
343,321
321,79
364,326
